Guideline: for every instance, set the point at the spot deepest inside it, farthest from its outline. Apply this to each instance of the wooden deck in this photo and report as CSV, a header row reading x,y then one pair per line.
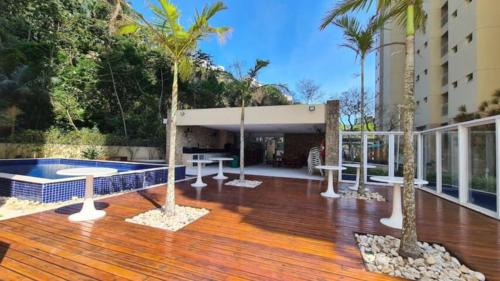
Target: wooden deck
x,y
282,230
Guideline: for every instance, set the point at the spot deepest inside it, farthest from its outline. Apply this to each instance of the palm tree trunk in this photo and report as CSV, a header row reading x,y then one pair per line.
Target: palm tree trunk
x,y
118,100
169,207
70,120
114,16
361,188
242,140
409,246
161,95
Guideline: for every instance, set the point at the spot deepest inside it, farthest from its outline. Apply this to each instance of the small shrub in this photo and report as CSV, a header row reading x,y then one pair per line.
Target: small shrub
x,y
91,152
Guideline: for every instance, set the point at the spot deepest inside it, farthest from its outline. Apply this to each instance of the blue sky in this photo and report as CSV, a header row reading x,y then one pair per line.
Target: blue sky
x,y
286,32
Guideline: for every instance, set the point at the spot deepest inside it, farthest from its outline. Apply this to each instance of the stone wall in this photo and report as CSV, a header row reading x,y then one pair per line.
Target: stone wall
x,y
332,134
297,146
13,150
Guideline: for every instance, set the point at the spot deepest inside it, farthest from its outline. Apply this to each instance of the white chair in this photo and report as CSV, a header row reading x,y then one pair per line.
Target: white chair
x,y
314,159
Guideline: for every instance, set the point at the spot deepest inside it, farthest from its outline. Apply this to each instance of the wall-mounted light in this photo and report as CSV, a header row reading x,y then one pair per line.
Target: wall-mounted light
x,y
187,131
312,108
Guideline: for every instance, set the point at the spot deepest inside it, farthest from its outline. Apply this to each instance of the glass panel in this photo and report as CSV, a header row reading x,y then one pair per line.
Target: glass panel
x,y
449,175
429,158
398,157
351,148
378,154
482,166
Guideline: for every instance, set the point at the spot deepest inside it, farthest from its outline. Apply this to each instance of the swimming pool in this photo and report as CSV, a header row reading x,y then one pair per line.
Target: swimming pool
x,y
36,179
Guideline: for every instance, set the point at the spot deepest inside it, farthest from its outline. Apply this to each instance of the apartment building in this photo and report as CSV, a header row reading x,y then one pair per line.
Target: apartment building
x,y
457,62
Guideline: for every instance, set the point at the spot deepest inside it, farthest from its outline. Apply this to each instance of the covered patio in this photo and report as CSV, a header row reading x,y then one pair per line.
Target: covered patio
x,y
249,234
277,138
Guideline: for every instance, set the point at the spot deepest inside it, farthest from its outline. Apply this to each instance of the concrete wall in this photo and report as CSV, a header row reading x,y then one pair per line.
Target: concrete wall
x,y
390,73
283,114
12,150
298,145
479,57
428,72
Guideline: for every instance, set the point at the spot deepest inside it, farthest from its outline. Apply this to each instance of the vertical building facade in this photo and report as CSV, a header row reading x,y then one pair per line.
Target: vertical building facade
x,y
457,62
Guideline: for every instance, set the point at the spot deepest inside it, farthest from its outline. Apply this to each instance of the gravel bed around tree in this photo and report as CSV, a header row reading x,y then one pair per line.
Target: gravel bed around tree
x,y
368,196
380,254
184,215
11,207
243,183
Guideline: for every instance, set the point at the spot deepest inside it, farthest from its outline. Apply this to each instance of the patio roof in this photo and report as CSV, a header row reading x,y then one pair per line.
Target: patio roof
x,y
263,119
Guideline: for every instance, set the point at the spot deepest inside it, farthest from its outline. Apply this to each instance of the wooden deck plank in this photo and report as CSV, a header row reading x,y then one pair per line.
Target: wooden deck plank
x,y
281,230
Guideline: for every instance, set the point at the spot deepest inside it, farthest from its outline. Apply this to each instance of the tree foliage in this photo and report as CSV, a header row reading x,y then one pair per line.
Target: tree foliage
x,y
57,59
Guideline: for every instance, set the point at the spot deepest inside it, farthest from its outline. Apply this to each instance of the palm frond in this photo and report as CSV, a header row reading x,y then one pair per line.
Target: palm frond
x,y
397,10
128,28
359,39
344,7
185,68
259,64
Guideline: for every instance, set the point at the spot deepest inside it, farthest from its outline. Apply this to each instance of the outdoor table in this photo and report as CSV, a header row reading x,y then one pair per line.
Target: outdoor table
x,y
220,175
396,218
199,182
88,211
329,191
357,166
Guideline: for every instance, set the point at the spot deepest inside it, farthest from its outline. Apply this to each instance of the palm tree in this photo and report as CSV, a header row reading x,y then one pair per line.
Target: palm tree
x,y
408,13
179,44
361,41
246,87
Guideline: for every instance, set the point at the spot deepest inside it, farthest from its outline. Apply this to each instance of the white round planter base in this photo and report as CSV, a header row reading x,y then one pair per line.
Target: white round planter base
x,y
393,222
330,194
88,212
219,177
198,184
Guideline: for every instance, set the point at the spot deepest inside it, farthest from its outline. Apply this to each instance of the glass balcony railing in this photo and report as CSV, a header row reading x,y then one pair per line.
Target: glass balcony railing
x,y
459,161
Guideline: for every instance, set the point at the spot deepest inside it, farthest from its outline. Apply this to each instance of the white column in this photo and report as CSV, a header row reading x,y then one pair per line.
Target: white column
x,y
391,155
420,157
340,156
365,150
497,124
463,167
439,162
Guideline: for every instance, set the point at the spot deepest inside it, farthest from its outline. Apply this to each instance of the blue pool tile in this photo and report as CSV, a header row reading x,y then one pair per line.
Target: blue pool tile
x,y
65,190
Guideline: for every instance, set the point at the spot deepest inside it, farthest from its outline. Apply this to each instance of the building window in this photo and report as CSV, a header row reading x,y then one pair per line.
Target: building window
x,y
455,49
425,99
425,44
418,78
418,51
455,14
418,103
470,77
469,38
426,71
455,84
444,104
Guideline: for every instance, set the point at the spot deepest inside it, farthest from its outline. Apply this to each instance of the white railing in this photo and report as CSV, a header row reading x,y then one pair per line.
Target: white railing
x,y
460,161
